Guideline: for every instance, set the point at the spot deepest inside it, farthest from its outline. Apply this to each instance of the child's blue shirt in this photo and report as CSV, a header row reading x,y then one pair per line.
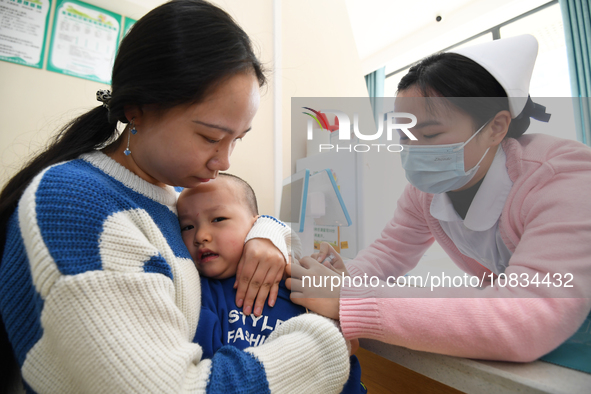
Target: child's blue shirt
x,y
222,323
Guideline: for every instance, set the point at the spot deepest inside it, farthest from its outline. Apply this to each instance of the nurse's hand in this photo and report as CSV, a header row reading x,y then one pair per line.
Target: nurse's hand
x,y
258,275
304,281
335,262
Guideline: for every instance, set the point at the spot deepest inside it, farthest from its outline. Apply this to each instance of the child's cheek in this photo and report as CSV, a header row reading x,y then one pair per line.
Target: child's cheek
x,y
236,246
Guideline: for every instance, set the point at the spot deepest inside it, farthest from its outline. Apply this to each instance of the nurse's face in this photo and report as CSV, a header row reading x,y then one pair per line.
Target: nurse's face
x,y
189,144
439,124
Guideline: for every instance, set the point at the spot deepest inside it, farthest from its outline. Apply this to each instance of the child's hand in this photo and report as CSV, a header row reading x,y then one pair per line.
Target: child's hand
x,y
335,262
259,272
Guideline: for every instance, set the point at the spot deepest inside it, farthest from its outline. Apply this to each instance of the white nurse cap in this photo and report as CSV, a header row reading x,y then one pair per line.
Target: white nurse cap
x,y
511,61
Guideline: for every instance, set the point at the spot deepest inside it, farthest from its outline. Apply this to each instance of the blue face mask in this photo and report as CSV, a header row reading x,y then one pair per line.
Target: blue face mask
x,y
438,168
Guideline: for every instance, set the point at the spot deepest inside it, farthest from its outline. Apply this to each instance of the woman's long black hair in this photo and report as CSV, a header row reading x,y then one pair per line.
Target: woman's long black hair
x,y
171,56
467,85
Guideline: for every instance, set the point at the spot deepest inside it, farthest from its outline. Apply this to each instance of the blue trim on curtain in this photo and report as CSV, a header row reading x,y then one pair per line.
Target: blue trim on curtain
x,y
375,87
576,16
375,82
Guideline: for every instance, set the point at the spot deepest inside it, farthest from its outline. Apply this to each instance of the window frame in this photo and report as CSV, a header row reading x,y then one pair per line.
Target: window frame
x,y
495,30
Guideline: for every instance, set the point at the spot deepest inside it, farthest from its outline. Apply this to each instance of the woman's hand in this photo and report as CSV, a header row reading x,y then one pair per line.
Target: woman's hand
x,y
306,291
259,272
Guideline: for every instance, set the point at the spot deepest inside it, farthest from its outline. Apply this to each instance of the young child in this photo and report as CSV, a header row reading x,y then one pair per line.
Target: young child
x,y
215,218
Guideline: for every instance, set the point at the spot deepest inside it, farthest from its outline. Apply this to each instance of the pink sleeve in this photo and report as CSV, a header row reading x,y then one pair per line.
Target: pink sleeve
x,y
550,222
403,241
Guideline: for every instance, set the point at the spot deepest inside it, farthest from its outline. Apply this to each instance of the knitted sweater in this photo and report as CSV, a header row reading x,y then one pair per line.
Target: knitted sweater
x,y
545,223
99,294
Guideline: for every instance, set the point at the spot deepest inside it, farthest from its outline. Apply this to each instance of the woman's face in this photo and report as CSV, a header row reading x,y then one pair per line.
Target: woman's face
x,y
439,125
189,144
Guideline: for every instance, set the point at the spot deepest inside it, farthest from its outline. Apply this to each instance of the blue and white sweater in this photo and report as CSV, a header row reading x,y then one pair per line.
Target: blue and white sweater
x,y
99,294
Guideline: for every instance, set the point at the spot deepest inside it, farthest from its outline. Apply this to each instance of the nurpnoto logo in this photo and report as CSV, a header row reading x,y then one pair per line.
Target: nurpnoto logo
x,y
322,122
344,130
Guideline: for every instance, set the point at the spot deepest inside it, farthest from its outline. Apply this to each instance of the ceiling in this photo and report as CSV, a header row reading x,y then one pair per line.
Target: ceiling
x,y
405,30
376,24
379,23
396,33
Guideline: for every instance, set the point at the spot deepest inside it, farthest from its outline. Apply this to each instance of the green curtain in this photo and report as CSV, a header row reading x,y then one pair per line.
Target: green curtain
x,y
576,16
375,87
575,352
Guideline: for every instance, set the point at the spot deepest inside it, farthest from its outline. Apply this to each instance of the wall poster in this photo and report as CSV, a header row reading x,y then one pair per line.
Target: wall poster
x,y
23,27
84,41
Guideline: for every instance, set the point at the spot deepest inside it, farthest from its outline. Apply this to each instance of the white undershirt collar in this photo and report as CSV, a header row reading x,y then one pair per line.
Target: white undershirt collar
x,y
488,203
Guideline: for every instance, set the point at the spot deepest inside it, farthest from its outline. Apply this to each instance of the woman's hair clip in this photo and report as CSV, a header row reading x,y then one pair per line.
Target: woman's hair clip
x,y
104,96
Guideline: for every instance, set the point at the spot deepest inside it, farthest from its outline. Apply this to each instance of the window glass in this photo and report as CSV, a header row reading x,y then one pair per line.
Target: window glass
x,y
475,41
551,76
391,83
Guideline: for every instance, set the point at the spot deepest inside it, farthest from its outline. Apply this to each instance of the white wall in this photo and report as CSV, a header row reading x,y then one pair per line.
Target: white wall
x,y
253,157
319,60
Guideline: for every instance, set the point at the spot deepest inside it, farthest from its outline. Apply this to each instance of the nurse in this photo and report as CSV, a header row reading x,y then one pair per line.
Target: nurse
x,y
508,206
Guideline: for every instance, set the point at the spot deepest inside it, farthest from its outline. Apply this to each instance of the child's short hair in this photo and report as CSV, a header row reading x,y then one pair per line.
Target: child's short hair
x,y
248,194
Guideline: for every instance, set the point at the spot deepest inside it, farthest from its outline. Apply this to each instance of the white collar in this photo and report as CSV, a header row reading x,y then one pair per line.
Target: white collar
x,y
488,203
164,195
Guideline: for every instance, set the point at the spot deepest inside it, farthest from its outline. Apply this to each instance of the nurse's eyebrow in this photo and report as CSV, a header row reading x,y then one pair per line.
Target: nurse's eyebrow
x,y
427,123
213,126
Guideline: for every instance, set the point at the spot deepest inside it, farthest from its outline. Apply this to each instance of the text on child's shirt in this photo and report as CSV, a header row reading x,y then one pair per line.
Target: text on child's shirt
x,y
250,329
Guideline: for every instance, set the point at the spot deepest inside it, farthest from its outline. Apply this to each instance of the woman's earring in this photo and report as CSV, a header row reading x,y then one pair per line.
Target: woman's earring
x,y
133,130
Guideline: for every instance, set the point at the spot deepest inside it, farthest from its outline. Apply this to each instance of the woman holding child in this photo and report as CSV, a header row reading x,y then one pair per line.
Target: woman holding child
x,y
97,290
